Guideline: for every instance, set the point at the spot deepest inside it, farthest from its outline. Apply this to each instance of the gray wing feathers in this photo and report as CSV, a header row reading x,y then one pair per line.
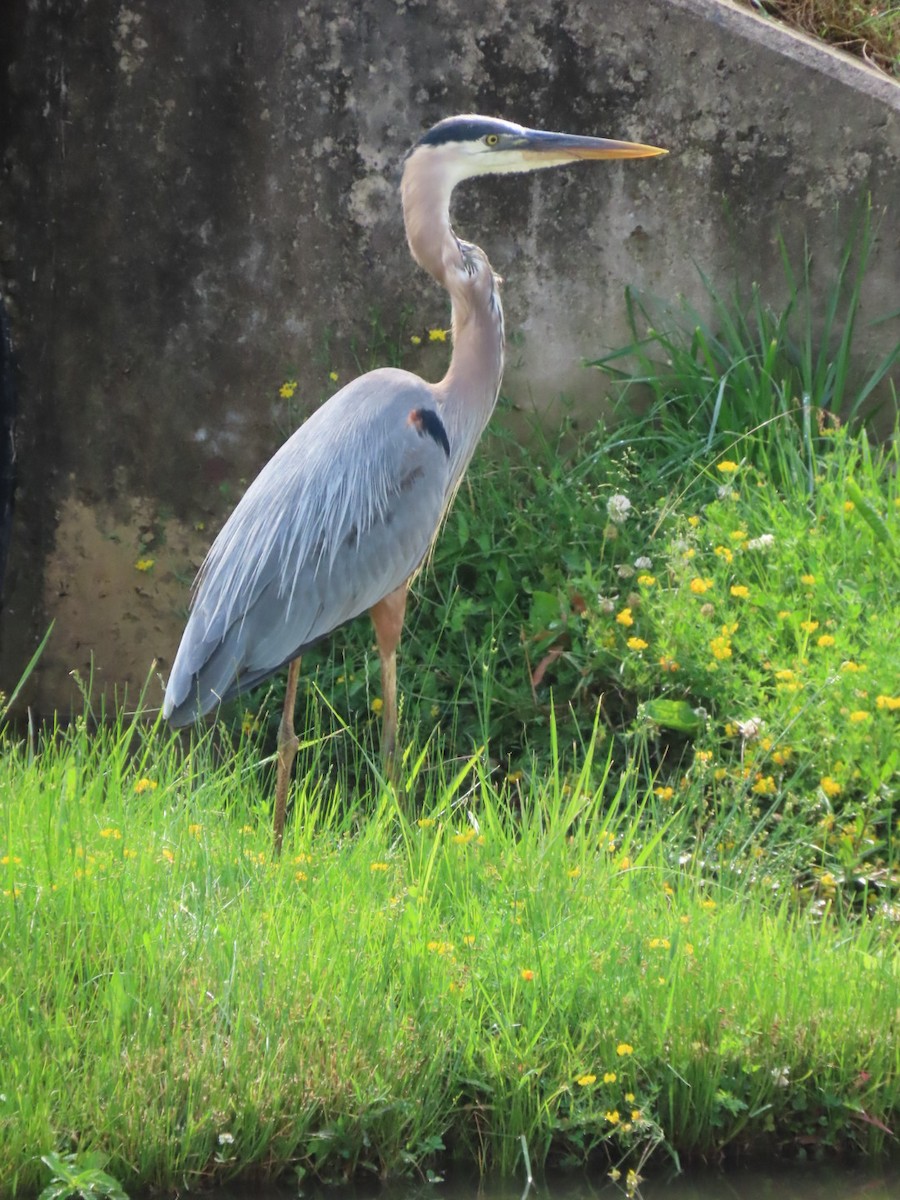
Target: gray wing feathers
x,y
339,517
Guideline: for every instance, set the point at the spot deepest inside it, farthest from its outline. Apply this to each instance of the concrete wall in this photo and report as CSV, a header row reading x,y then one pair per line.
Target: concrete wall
x,y
199,201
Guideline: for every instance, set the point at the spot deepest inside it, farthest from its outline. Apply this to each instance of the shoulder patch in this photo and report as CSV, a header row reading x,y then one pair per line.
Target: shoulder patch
x,y
427,423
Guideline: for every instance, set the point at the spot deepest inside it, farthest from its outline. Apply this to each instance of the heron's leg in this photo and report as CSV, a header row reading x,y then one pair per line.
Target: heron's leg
x,y
387,617
287,748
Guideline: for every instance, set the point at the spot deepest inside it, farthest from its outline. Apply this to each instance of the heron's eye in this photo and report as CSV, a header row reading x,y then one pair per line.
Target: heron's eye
x,y
491,139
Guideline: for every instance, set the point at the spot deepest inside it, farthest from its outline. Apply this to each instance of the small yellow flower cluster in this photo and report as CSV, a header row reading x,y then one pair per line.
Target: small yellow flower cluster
x,y
464,837
700,586
287,389
891,703
586,1080
721,645
145,564
764,786
625,618
727,467
646,580
636,643
378,866
740,590
664,793
725,552
438,335
830,786
437,947
145,785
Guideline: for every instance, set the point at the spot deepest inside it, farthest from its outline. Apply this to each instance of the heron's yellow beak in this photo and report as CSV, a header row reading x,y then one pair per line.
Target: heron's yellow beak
x,y
541,148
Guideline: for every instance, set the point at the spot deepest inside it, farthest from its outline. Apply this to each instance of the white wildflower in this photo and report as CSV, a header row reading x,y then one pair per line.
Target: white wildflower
x,y
644,563
618,507
226,1139
606,604
624,571
763,542
750,729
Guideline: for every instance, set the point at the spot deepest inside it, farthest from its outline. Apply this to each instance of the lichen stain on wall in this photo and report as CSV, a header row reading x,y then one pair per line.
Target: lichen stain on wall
x,y
117,584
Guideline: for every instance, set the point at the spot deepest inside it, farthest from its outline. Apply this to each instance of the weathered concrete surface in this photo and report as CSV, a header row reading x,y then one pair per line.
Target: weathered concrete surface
x,y
200,201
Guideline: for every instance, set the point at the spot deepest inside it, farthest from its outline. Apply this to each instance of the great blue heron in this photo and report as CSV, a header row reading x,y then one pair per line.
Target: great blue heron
x,y
342,516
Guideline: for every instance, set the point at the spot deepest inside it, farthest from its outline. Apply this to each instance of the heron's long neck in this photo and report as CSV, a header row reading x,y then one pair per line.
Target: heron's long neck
x,y
468,392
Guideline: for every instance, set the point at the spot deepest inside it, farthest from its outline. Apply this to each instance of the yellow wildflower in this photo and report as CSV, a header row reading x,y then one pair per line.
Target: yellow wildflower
x,y
625,617
764,786
287,389
144,564
378,866
738,535
740,590
609,1077
698,586
425,822
437,335
727,467
849,506
416,340
825,640
636,643
586,1080
646,580
860,715
693,522
145,785
808,580
624,1049
721,648
891,703
830,786
527,975
725,552
333,376
664,793
809,626
377,705
612,1116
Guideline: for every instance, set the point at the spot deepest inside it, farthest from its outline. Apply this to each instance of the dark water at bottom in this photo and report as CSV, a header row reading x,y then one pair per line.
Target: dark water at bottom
x,y
778,1183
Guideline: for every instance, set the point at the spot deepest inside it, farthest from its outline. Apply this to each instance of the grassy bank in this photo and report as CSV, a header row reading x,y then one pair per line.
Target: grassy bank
x,y
636,893
399,987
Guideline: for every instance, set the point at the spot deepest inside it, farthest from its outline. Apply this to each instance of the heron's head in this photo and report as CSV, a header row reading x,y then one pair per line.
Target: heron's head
x,y
459,148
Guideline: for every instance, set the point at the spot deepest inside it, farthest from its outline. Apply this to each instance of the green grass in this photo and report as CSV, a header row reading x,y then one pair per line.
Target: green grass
x,y
396,989
636,893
